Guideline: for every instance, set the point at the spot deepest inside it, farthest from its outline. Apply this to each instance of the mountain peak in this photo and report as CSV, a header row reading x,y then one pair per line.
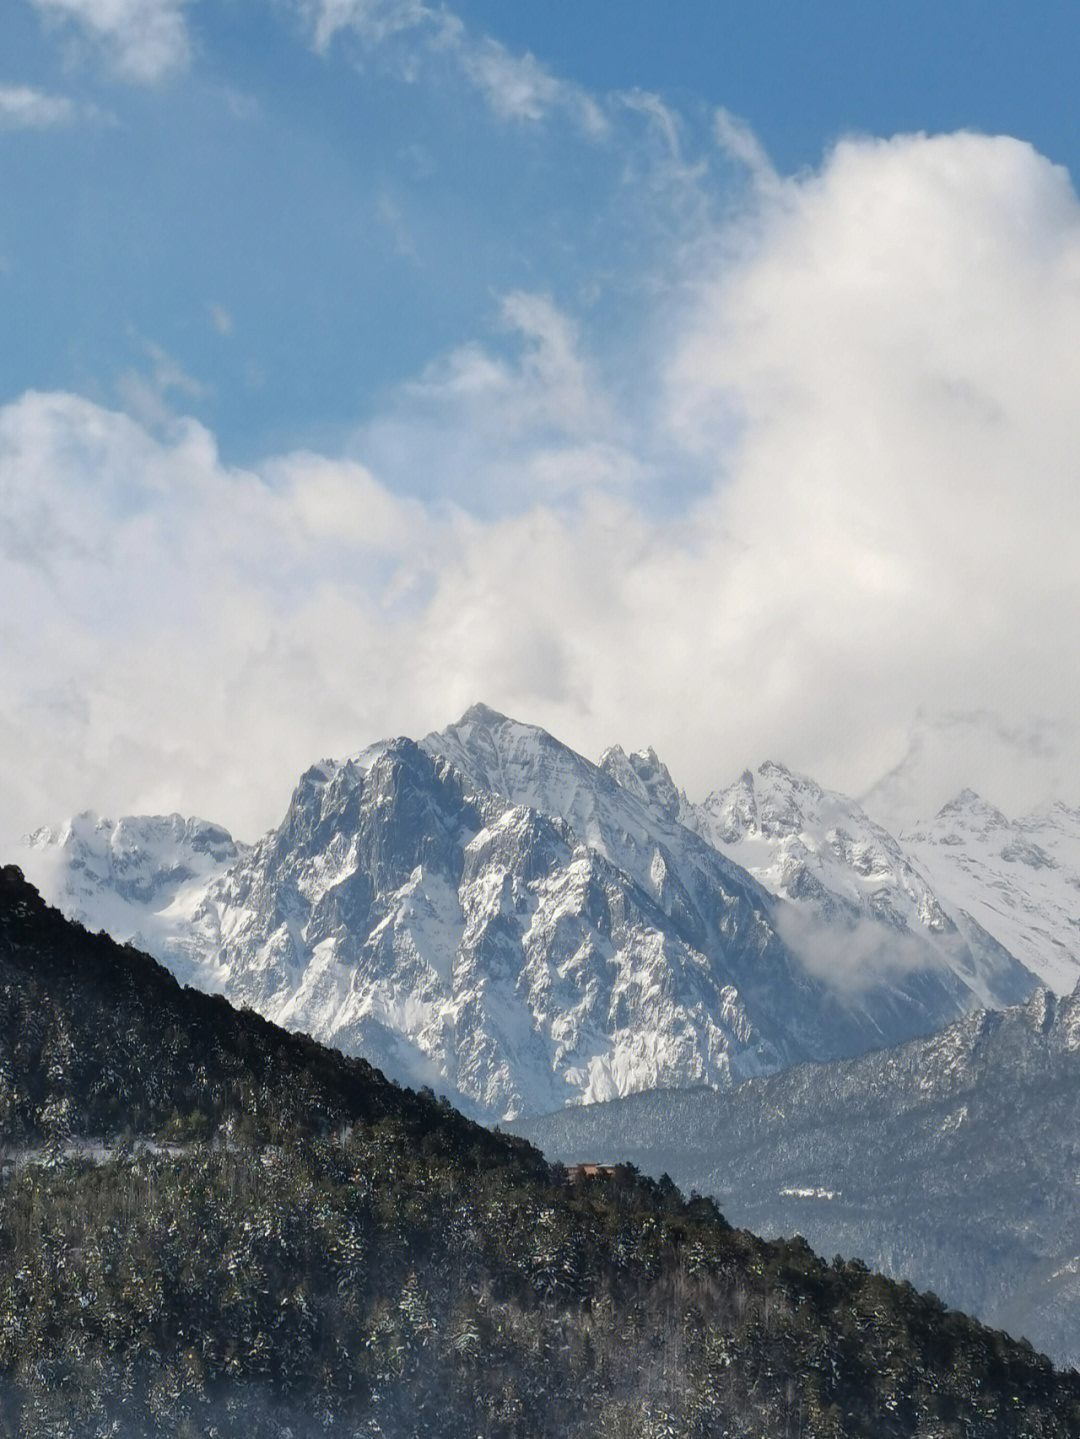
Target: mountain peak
x,y
644,776
1019,764
969,806
491,911
774,767
481,714
964,799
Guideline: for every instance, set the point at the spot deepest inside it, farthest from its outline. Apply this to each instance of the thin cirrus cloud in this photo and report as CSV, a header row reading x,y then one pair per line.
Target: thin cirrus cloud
x,y
142,40
24,108
516,87
873,364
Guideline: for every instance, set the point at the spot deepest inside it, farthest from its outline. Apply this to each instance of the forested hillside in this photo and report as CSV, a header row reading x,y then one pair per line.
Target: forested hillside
x,y
951,1161
311,1250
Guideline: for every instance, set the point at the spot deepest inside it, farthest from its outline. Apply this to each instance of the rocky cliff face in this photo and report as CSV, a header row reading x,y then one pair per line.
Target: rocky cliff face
x,y
455,937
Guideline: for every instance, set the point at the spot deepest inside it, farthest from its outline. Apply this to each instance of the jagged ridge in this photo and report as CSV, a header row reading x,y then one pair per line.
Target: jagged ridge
x,y
491,913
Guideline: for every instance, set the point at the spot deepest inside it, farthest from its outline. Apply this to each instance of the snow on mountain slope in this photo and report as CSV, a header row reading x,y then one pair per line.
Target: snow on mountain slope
x,y
819,849
899,969
456,938
860,913
527,766
1019,879
951,1161
139,878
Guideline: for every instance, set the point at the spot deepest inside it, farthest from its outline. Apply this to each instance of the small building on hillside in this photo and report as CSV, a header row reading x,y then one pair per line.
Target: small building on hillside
x,y
578,1173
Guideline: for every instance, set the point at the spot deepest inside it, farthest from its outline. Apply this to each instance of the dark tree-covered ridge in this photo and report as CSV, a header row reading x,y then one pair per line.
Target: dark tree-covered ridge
x,y
324,1253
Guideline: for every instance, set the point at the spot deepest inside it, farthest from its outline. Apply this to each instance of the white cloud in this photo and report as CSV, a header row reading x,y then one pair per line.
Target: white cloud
x,y
857,956
896,345
151,396
516,87
374,21
143,40
221,320
876,364
739,142
23,108
550,381
519,87
501,428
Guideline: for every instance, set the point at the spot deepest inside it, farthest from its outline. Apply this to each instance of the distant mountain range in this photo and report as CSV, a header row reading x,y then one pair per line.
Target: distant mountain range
x,y
492,914
952,1161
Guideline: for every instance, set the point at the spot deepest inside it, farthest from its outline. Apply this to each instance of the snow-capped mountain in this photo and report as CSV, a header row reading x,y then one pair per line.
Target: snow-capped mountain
x,y
139,878
1019,879
1013,765
860,946
861,907
858,910
952,1161
490,913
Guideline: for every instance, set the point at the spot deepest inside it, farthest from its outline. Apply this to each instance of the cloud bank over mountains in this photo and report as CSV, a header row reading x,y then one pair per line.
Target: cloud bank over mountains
x,y
828,480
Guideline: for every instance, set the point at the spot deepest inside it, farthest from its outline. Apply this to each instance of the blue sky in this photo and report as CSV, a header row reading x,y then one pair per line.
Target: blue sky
x,y
805,74
344,224
364,358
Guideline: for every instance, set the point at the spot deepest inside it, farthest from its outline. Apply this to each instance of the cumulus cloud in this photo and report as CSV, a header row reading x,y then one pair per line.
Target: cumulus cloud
x,y
894,346
142,39
875,364
24,108
499,427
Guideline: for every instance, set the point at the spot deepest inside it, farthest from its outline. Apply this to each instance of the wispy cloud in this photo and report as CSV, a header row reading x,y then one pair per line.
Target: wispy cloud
x,y
152,393
503,425
23,108
374,21
858,955
221,320
142,40
516,86
519,87
738,141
